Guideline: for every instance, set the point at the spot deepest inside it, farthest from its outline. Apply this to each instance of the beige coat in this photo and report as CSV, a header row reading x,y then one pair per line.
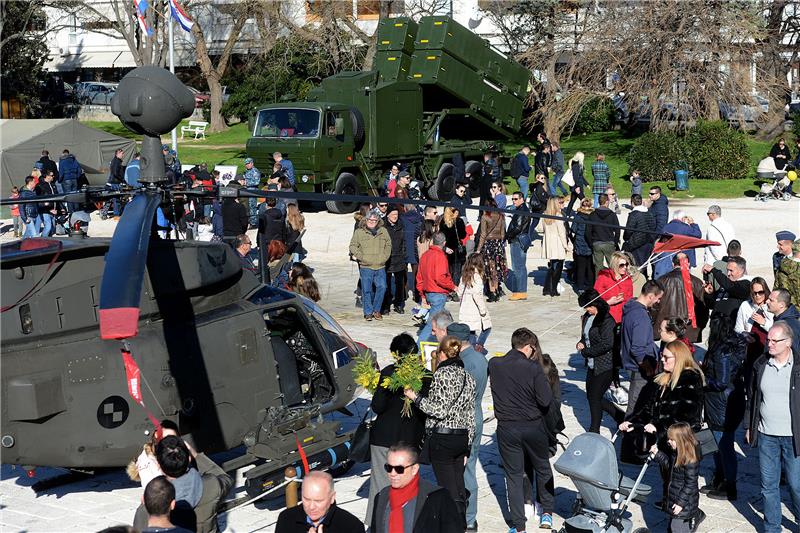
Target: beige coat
x,y
555,244
473,311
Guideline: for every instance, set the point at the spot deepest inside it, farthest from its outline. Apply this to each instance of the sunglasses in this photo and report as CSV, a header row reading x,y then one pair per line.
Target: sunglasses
x,y
652,193
400,469
517,199
383,205
623,265
495,187
761,293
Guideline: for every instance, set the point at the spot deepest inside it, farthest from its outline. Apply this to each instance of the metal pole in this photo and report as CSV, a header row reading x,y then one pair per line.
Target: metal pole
x,y
172,69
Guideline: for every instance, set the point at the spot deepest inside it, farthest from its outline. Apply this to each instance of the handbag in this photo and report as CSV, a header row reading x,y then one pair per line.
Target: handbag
x,y
568,178
425,452
706,443
359,442
636,446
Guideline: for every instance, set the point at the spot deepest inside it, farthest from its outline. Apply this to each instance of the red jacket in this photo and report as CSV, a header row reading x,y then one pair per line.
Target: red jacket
x,y
605,282
433,274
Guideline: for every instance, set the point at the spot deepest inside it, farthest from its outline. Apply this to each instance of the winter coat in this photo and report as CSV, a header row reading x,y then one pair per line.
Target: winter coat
x,y
473,311
434,511
453,237
28,211
371,250
608,287
540,162
458,202
520,166
600,342
639,244
397,260
579,234
578,177
683,489
555,244
520,223
216,219
391,427
412,221
450,403
433,274
788,277
271,227
601,233
673,304
234,218
295,520
116,171
636,338
539,197
667,406
723,367
752,413
68,168
660,211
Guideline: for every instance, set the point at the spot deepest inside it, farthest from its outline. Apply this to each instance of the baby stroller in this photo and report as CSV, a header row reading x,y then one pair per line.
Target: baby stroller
x,y
604,494
778,190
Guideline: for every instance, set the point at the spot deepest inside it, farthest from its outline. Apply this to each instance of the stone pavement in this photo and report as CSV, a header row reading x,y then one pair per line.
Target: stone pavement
x,y
110,498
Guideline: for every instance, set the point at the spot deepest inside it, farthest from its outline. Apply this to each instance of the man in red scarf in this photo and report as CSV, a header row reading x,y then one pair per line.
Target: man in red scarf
x,y
410,504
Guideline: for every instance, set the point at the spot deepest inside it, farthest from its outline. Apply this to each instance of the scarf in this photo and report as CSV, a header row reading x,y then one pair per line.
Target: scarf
x,y
397,499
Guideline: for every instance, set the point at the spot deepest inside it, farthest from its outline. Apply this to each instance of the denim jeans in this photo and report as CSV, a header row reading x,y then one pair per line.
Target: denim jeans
x,y
470,479
32,227
71,186
725,461
373,287
114,203
522,181
48,224
436,300
774,453
556,184
520,272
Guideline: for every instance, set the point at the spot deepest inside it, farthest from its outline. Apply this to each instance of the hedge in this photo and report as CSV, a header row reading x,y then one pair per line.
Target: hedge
x,y
596,115
710,150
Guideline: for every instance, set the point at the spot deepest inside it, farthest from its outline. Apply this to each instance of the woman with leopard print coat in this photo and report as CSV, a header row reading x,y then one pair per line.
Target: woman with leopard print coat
x,y
450,426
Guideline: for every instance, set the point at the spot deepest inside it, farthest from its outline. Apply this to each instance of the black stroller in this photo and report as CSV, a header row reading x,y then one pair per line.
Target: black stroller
x,y
604,494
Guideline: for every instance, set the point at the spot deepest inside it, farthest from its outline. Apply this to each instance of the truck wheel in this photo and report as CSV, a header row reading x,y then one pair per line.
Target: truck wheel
x,y
443,187
346,184
475,170
358,128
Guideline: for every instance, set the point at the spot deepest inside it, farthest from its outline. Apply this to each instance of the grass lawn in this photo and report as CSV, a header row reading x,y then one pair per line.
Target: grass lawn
x,y
615,144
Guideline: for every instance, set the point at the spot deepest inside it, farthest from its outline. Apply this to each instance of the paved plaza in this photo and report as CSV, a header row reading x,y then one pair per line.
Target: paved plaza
x,y
111,498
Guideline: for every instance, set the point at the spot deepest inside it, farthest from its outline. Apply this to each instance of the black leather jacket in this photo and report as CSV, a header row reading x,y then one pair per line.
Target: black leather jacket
x,y
520,223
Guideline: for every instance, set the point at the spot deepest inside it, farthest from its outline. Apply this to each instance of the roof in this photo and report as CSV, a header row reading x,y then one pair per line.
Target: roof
x,y
14,132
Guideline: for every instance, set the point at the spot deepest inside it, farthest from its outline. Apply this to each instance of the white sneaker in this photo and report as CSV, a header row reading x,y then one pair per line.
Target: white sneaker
x,y
560,288
530,510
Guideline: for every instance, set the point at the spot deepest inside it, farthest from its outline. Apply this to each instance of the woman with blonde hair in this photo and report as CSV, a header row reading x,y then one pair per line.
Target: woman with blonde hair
x,y
455,231
473,311
295,226
555,247
615,285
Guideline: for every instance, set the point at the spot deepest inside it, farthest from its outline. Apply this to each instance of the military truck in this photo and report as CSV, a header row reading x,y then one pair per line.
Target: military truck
x,y
438,93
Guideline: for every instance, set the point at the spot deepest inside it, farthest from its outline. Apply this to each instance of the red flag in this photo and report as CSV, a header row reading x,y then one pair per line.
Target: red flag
x,y
687,287
674,243
134,374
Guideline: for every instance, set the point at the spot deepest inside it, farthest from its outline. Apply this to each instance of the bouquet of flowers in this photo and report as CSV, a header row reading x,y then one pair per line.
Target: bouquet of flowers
x,y
365,373
408,374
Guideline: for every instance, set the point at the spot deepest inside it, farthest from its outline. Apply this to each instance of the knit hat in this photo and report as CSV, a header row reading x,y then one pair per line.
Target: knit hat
x,y
785,235
459,330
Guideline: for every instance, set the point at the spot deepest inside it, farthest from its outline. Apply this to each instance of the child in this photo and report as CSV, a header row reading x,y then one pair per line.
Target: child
x,y
636,183
683,495
18,227
145,467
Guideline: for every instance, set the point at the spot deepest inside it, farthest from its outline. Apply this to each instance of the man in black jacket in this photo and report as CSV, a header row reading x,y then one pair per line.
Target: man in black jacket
x,y
49,165
116,177
235,217
733,289
522,397
603,240
318,511
427,507
635,240
519,226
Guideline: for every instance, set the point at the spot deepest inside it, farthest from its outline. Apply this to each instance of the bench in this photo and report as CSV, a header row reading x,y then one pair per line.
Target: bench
x,y
196,127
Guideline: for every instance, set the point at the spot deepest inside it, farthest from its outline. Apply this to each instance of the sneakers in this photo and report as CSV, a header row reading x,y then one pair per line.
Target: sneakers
x,y
473,528
546,521
515,296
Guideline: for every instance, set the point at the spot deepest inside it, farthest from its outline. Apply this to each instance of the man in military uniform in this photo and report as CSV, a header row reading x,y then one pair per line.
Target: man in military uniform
x,y
252,179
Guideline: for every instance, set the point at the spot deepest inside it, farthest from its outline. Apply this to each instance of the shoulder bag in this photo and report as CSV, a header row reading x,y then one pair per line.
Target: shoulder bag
x,y
568,178
359,442
425,452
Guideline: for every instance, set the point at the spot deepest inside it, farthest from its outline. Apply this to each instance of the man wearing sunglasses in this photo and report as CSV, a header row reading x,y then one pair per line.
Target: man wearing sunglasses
x,y
411,504
772,422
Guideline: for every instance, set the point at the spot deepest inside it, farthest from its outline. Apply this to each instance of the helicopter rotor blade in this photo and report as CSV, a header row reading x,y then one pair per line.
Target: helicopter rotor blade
x,y
123,275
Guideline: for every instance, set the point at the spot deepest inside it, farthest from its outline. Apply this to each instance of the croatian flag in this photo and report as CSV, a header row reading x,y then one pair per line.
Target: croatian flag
x,y
143,25
141,6
180,15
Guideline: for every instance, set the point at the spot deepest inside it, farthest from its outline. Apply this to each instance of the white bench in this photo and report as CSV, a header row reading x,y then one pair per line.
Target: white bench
x,y
196,127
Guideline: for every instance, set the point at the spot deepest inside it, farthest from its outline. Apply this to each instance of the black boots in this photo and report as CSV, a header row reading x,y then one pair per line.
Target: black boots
x,y
725,491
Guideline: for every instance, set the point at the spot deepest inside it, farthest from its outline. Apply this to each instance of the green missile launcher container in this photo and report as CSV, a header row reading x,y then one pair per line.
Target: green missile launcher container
x,y
437,93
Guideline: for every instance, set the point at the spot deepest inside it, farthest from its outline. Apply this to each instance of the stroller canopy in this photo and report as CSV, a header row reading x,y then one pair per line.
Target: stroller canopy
x,y
590,458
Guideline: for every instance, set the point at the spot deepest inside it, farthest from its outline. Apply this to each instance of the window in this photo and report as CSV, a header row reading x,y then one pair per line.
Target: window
x,y
287,122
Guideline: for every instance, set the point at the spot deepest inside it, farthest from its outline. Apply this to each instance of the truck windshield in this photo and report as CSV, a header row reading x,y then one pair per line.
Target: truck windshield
x,y
287,123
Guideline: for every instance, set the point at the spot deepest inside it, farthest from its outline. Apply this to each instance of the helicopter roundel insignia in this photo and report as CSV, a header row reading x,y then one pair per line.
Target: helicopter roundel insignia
x,y
113,412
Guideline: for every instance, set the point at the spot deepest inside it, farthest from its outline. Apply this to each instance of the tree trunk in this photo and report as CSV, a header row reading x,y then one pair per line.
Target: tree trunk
x,y
215,91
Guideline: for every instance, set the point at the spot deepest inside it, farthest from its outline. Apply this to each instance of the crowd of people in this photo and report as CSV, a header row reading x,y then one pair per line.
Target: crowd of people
x,y
644,316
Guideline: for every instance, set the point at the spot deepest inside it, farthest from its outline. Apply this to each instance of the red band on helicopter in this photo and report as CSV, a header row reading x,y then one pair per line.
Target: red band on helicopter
x,y
119,322
134,376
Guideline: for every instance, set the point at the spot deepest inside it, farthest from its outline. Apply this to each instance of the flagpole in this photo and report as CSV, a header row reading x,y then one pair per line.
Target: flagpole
x,y
172,69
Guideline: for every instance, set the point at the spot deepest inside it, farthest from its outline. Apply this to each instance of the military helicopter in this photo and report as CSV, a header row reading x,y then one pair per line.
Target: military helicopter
x,y
191,336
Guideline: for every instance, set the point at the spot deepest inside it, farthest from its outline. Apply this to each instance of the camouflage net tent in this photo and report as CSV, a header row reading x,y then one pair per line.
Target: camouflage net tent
x,y
22,142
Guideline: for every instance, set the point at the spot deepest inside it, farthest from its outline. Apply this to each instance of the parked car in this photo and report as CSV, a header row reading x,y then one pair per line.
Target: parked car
x,y
98,93
744,113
